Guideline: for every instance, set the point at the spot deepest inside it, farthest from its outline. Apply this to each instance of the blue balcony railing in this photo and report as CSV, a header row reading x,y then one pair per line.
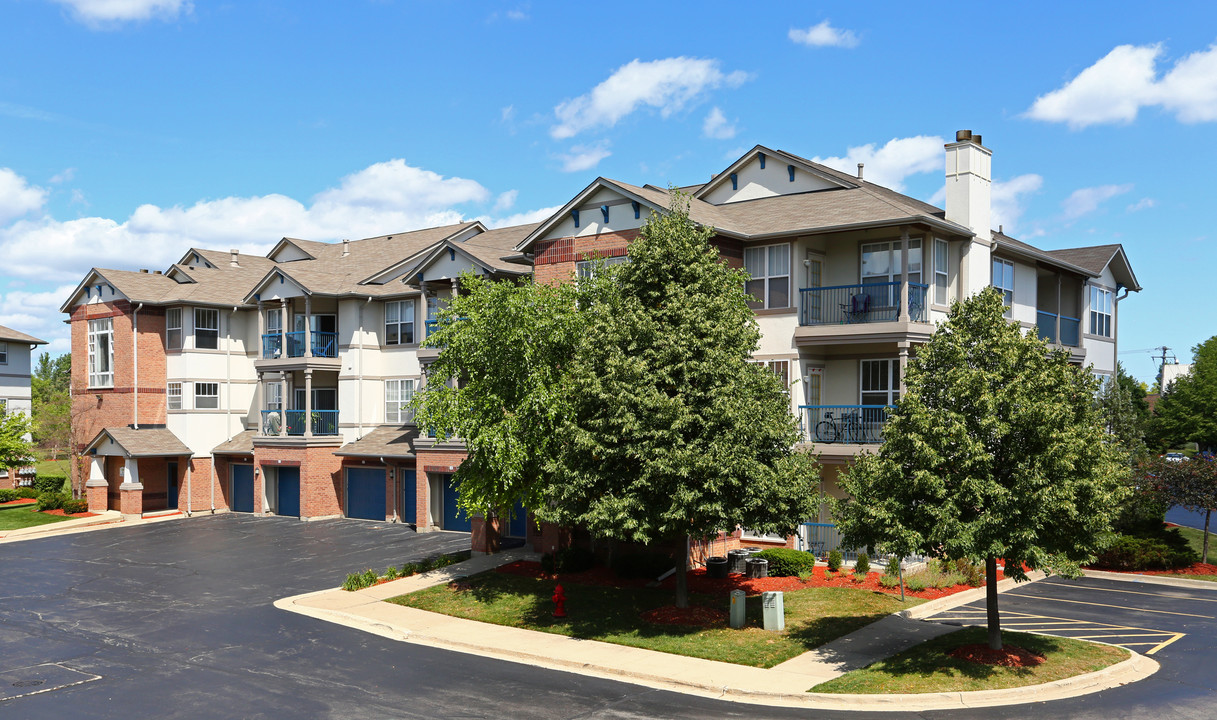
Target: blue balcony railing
x,y
844,424
1046,324
272,345
863,303
324,422
325,344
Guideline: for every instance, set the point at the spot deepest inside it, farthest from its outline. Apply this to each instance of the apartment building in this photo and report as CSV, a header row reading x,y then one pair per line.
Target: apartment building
x,y
277,384
848,278
16,370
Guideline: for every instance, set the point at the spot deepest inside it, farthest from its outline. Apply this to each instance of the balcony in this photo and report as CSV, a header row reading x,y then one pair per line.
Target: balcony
x,y
1070,328
325,345
844,424
857,304
324,422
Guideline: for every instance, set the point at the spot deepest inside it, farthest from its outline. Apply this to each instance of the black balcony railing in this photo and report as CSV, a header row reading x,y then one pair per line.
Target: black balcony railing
x,y
862,303
844,424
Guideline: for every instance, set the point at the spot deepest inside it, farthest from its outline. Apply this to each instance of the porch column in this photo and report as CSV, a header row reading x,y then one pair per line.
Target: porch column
x,y
283,327
96,487
261,331
260,400
308,326
285,403
131,491
308,403
1058,310
904,276
903,348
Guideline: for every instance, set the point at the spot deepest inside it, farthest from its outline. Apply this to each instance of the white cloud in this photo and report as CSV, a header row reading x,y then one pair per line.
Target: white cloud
x,y
37,313
506,200
18,197
667,85
66,176
1142,204
1007,198
508,113
524,218
824,35
1115,88
584,157
104,12
892,163
1086,200
717,127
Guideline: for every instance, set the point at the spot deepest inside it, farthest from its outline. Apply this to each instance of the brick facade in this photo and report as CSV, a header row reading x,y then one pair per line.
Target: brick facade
x,y
320,477
554,260
428,462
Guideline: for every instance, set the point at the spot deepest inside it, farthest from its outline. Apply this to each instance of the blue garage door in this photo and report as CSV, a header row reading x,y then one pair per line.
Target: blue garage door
x,y
366,493
242,488
409,496
454,517
289,491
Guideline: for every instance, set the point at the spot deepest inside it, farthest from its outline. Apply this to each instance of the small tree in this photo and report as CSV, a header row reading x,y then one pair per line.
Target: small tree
x,y
1121,415
994,451
1191,484
15,450
1187,411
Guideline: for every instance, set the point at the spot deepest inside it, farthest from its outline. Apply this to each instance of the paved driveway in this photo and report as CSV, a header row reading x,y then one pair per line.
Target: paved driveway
x,y
175,620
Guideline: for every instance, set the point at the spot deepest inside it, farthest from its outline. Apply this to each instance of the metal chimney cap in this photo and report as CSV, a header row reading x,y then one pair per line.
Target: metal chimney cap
x,y
962,135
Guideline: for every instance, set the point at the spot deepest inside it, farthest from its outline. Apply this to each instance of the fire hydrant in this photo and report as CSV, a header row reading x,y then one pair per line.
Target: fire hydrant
x,y
559,602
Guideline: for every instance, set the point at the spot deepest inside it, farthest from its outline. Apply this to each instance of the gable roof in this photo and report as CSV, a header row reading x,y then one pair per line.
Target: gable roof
x,y
145,442
1098,257
8,334
832,176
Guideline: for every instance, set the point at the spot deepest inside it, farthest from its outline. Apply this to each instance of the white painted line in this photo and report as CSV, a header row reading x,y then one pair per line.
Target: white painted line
x,y
1124,607
1129,592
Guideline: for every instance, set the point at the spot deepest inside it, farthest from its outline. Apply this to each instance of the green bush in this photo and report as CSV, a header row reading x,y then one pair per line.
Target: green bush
x,y
7,495
370,577
834,560
568,560
1161,552
408,569
50,483
27,492
862,566
785,562
391,572
72,507
915,582
51,500
893,568
889,581
354,581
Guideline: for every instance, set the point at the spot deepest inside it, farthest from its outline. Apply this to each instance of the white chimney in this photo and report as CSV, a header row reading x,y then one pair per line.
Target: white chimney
x,y
969,181
235,254
346,247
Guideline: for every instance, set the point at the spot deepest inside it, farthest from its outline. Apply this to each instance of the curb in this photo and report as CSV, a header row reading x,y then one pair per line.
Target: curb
x,y
1151,579
61,528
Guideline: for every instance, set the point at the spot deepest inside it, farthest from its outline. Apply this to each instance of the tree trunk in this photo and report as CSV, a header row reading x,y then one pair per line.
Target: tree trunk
x,y
1204,555
682,576
991,604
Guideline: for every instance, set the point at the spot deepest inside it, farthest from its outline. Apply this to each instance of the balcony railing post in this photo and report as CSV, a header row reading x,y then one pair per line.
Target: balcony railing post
x,y
308,326
308,403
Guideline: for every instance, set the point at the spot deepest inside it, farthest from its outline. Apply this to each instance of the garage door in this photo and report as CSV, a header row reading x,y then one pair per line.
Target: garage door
x,y
242,488
409,496
288,493
454,517
366,493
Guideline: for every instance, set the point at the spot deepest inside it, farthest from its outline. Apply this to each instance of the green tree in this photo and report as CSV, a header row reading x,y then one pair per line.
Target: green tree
x,y
51,401
670,433
15,450
1121,415
1187,411
995,450
1191,484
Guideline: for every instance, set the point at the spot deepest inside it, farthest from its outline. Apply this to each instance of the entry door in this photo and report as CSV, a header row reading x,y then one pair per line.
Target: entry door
x,y
171,485
811,304
454,517
241,489
518,525
366,493
287,492
409,495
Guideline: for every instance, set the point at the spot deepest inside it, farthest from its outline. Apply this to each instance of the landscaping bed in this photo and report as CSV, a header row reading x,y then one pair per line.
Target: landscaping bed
x,y
602,607
961,661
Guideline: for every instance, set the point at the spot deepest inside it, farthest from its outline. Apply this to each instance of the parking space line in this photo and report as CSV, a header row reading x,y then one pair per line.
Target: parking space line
x,y
1129,592
1164,644
1122,607
1067,627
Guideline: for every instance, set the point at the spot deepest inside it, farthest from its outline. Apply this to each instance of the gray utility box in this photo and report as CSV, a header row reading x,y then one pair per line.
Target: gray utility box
x,y
737,609
774,611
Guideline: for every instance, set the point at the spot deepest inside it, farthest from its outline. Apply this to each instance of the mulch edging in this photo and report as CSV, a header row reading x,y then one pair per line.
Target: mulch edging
x,y
1009,656
1193,569
18,501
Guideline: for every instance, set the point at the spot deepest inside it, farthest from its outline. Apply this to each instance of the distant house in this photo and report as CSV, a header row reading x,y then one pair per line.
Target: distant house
x,y
16,349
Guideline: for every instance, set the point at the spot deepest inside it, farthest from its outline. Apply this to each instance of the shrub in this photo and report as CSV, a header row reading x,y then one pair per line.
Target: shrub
x,y
408,569
7,495
862,566
915,582
445,561
834,560
28,493
1146,553
354,581
51,500
49,483
786,562
73,507
889,581
893,568
370,577
568,560
391,572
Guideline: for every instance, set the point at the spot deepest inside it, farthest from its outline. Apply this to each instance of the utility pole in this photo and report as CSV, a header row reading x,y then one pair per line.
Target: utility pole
x,y
1162,366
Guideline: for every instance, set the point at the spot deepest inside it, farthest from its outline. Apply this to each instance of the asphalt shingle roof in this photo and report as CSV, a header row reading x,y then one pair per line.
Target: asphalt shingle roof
x,y
145,442
10,335
384,441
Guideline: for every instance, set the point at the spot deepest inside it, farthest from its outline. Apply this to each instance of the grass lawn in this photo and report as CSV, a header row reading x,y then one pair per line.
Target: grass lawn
x,y
813,616
52,467
927,668
22,516
1195,538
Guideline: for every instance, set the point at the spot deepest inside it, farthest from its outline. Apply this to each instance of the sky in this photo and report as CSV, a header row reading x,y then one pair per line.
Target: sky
x,y
132,130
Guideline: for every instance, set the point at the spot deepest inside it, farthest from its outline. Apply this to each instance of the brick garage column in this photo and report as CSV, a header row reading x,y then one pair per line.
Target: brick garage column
x,y
96,486
131,492
485,533
422,500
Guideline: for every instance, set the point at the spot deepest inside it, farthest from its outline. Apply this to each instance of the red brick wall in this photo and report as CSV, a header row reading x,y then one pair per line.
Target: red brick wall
x,y
554,260
223,471
204,485
428,462
320,477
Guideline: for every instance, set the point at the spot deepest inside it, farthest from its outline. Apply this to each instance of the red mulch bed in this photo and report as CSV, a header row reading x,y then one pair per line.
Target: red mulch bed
x,y
1008,656
62,513
19,501
1193,569
700,582
672,615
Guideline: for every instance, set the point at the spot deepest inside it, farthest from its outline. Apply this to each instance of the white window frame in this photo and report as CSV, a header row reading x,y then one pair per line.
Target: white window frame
x,y
942,264
201,328
205,396
3,353
586,269
767,274
1100,312
1007,293
173,330
173,396
398,393
406,318
274,396
892,373
895,257
101,368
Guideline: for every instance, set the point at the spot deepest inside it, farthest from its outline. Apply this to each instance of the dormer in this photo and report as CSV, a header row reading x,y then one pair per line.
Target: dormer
x,y
763,173
288,250
605,206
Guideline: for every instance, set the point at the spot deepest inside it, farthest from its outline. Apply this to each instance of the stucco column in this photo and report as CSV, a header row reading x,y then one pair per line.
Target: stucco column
x,y
308,403
96,487
904,275
284,403
283,327
308,326
903,349
1057,337
261,331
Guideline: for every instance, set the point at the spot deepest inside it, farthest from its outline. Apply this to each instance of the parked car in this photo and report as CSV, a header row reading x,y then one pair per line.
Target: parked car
x,y
1174,457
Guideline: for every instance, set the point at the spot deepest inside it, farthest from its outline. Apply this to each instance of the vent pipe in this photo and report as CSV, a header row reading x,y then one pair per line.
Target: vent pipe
x,y
860,166
346,247
235,254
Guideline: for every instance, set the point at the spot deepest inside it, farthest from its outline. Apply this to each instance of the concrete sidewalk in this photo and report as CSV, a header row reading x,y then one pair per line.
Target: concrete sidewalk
x,y
783,685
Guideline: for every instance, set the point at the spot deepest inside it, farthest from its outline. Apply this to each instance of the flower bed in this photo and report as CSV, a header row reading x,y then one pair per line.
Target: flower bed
x,y
61,513
18,501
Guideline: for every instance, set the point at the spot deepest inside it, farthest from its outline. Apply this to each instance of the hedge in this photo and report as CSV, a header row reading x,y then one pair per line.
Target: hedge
x,y
785,562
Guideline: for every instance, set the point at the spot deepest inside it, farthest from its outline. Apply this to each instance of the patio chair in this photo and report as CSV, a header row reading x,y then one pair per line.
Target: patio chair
x,y
857,308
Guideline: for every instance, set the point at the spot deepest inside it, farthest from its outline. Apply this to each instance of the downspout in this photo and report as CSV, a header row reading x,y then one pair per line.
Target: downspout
x,y
135,364
189,495
360,385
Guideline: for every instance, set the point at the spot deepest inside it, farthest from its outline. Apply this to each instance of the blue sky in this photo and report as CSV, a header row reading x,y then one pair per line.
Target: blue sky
x,y
133,129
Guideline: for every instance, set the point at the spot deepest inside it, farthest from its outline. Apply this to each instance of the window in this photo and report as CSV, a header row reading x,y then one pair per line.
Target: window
x,y
206,396
769,270
940,272
3,353
586,269
881,262
101,353
173,395
206,329
3,407
398,394
274,321
399,322
880,382
173,329
815,381
1100,311
274,396
1003,279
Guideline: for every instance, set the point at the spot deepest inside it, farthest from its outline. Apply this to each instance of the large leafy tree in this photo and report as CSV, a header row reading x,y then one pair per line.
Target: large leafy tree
x,y
15,450
1190,483
995,451
52,402
670,433
1187,411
